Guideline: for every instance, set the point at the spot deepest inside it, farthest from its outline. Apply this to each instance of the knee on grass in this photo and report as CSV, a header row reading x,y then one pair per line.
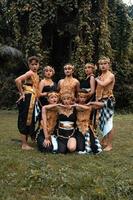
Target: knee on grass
x,y
71,145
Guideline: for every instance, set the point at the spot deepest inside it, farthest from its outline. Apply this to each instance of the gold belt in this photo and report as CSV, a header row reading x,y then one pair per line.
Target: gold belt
x,y
65,137
29,89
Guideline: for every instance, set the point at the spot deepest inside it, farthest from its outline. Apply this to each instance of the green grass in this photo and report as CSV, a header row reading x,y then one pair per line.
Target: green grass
x,y
35,176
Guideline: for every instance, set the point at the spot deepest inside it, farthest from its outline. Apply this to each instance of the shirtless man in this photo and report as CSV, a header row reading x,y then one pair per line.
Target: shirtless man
x,y
28,85
104,93
69,83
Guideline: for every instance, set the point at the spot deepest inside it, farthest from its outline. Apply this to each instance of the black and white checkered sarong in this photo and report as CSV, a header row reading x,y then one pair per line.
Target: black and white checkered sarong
x,y
106,112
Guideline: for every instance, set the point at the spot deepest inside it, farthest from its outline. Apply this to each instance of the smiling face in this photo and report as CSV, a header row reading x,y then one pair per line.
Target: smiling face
x,y
34,65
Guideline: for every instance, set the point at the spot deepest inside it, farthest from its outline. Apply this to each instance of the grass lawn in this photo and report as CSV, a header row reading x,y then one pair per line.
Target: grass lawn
x,y
35,176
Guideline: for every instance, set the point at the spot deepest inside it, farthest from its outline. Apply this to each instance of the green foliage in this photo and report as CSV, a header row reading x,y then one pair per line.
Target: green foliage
x,y
124,86
8,92
61,31
130,11
83,40
104,44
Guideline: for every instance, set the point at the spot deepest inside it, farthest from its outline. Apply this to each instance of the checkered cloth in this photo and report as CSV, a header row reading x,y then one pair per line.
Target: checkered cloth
x,y
54,143
106,112
92,143
37,111
87,143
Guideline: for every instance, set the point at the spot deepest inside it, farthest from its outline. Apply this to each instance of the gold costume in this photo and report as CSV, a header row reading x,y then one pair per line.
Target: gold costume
x,y
103,92
51,115
31,86
83,119
68,84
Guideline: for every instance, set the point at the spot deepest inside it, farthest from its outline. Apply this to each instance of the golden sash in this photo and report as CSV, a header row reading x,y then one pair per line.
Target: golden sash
x,y
32,91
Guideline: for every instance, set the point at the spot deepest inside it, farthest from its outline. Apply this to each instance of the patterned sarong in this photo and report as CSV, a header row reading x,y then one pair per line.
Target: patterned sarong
x,y
106,116
92,143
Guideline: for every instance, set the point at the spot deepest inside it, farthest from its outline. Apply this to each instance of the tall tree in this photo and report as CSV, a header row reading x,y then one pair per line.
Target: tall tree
x,y
104,32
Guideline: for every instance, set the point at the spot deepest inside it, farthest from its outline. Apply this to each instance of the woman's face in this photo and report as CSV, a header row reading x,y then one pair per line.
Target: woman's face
x,y
48,72
68,70
88,70
66,100
104,65
53,99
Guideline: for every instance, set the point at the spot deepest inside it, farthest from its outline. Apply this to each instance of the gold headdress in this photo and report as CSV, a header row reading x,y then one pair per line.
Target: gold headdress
x,y
53,93
49,67
104,59
69,65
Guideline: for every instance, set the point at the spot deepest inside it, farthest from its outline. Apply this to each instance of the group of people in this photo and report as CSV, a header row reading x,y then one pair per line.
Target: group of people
x,y
68,113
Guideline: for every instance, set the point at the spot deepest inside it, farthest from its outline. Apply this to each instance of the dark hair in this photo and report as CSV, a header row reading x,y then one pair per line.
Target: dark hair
x,y
30,59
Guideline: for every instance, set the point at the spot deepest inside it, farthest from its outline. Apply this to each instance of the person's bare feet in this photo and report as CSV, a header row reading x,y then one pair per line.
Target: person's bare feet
x,y
103,144
107,148
26,147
